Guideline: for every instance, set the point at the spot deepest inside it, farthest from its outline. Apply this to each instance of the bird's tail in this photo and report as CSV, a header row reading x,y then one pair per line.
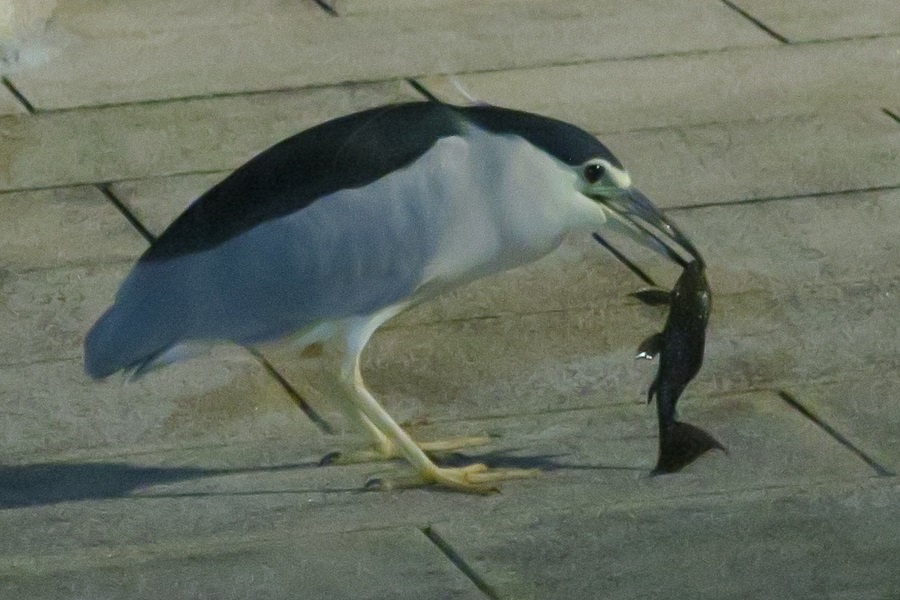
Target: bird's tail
x,y
117,342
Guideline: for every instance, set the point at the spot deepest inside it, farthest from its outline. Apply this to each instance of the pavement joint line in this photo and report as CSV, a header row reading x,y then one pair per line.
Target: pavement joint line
x,y
29,107
298,400
687,125
327,7
136,553
423,91
394,79
100,106
791,401
111,182
225,171
786,198
317,419
459,562
891,114
126,212
236,494
101,453
624,303
131,554
639,272
762,26
401,78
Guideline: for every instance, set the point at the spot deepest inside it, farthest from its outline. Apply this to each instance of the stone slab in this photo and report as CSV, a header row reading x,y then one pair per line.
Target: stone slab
x,y
63,227
810,20
114,143
46,312
665,91
53,409
832,543
593,461
396,563
348,8
865,410
780,157
266,44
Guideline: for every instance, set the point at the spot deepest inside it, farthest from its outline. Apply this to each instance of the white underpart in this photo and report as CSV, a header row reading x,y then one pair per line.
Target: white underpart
x,y
506,204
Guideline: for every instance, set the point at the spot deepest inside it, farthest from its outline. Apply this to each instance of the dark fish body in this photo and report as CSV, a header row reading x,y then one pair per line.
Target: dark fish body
x,y
680,348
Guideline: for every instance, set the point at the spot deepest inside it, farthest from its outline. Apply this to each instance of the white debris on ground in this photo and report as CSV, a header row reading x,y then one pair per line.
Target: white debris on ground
x,y
23,25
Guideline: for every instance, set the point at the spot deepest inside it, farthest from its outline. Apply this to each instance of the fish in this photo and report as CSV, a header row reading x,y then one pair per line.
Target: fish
x,y
680,347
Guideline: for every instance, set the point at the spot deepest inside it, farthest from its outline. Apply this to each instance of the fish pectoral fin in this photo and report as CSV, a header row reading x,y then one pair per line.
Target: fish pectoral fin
x,y
651,347
653,296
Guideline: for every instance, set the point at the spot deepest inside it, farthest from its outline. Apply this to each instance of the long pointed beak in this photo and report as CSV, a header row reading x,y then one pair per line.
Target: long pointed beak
x,y
637,217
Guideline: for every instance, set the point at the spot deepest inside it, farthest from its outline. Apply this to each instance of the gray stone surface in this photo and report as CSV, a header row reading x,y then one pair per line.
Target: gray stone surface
x,y
294,565
809,20
202,479
80,225
780,157
8,103
51,408
864,409
224,494
835,542
743,83
114,58
46,312
102,144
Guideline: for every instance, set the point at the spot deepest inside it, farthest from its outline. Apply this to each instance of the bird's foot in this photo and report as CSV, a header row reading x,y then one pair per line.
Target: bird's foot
x,y
471,479
389,451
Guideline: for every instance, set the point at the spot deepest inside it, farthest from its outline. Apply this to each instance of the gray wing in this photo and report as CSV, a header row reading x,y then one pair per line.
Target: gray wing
x,y
349,253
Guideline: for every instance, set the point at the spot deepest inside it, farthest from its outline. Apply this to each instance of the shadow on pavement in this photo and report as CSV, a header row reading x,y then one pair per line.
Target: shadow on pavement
x,y
50,483
505,459
43,484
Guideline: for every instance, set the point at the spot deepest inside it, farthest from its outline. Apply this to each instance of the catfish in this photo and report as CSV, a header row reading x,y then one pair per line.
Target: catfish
x,y
679,346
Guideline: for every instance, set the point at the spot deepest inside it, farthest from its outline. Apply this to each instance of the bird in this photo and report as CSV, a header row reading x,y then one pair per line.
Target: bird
x,y
328,234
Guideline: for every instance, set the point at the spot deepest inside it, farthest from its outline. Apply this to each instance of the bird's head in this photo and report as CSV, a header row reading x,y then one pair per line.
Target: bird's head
x,y
603,179
598,174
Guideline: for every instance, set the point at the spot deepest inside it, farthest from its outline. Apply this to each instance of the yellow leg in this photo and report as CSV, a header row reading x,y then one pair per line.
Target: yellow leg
x,y
383,449
477,479
390,439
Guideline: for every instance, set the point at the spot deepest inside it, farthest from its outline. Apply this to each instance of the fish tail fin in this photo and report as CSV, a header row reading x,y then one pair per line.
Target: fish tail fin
x,y
681,444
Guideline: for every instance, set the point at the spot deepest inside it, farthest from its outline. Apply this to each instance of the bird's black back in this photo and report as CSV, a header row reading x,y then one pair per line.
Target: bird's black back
x,y
350,152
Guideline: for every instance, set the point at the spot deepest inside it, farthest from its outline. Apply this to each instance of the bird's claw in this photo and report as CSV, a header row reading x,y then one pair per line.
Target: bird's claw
x,y
330,459
390,451
471,479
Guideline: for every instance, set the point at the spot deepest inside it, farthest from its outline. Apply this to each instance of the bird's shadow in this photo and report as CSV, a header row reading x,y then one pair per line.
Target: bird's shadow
x,y
51,483
42,484
509,459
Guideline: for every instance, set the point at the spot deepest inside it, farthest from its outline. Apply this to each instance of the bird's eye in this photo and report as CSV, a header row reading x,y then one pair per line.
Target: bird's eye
x,y
594,172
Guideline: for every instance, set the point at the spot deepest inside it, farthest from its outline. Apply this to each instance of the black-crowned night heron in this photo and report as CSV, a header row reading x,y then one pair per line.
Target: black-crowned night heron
x,y
330,233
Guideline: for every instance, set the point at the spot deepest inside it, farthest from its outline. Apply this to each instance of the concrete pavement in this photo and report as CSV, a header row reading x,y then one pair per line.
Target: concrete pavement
x,y
768,132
